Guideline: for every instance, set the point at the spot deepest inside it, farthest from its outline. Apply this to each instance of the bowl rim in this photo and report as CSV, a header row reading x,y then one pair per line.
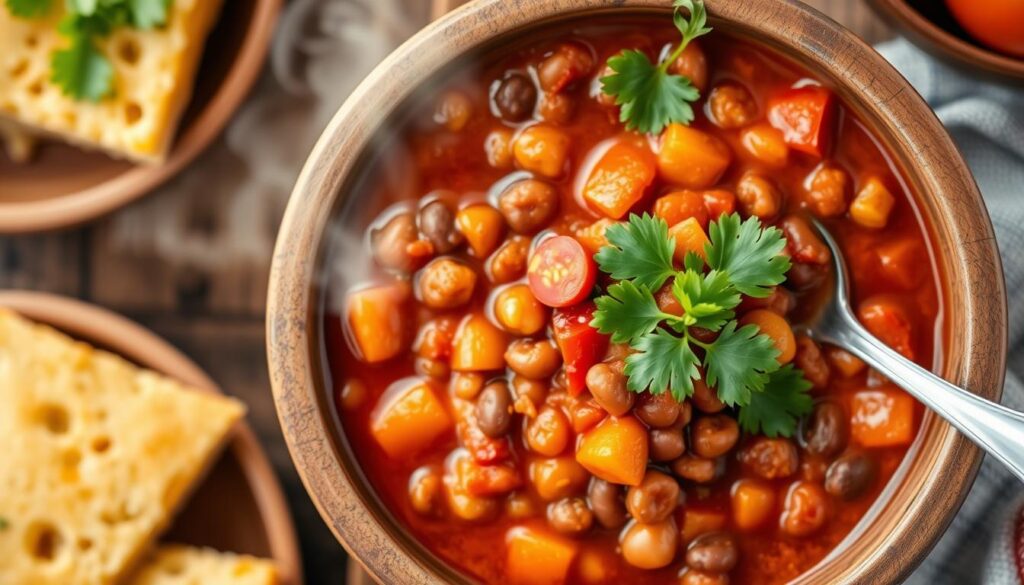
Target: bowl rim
x,y
940,42
78,207
96,325
864,80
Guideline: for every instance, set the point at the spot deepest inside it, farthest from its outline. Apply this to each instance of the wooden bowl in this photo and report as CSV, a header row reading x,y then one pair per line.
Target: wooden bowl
x,y
919,502
65,185
240,506
930,25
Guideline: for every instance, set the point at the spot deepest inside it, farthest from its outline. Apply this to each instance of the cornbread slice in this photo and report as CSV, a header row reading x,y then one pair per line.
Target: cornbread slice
x,y
182,565
96,455
153,79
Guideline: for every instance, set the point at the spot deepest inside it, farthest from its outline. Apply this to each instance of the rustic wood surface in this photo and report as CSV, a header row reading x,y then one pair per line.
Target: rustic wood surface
x,y
213,309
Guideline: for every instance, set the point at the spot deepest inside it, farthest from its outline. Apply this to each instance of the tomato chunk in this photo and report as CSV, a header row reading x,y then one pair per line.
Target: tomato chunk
x,y
582,346
561,273
619,179
805,116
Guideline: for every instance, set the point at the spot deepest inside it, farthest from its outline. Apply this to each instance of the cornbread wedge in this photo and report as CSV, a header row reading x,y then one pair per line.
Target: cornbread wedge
x,y
96,455
181,565
153,80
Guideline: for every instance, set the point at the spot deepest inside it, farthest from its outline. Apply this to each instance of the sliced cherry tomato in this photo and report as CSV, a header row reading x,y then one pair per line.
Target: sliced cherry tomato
x,y
561,272
806,117
582,346
997,23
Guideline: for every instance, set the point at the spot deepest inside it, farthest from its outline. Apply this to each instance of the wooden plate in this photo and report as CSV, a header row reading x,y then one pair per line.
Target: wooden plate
x,y
65,185
257,520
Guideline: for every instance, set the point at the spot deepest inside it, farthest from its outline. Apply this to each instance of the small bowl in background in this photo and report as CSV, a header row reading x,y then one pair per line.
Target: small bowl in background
x,y
930,25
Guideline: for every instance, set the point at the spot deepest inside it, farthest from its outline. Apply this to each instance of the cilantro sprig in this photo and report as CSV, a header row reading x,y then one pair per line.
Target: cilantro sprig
x,y
743,258
650,97
80,69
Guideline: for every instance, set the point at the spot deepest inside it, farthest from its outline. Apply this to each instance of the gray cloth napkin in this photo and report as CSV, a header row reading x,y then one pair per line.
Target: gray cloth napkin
x,y
986,121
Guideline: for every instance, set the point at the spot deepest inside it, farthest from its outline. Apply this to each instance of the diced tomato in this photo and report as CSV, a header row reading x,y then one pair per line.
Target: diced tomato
x,y
620,178
679,206
561,273
806,117
582,346
888,320
719,202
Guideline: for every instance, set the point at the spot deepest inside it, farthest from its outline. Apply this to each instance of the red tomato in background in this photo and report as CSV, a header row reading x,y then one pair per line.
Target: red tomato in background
x,y
996,23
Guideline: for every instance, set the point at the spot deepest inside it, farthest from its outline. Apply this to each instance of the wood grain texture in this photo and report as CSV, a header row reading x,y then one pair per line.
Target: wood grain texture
x,y
214,312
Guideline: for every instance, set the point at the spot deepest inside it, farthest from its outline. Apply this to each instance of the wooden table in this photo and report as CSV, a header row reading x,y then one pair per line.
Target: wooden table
x,y
213,308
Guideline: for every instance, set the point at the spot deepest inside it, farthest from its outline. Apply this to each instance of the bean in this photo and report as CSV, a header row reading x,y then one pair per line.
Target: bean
x,y
608,386
494,409
528,205
650,546
827,429
445,283
425,486
606,499
654,499
850,476
391,242
714,435
695,469
515,97
715,552
657,410
692,577
437,225
569,63
770,458
534,359
508,263
548,433
758,196
705,399
731,105
666,444
811,361
570,516
804,510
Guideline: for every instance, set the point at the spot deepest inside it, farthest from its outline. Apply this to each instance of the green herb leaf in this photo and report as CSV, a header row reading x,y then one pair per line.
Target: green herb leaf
x,y
775,410
663,362
29,8
749,254
148,14
639,250
81,71
707,299
738,362
627,312
650,98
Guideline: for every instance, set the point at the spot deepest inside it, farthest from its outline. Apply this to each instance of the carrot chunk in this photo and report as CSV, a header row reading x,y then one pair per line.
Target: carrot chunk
x,y
615,450
882,417
619,179
408,417
538,558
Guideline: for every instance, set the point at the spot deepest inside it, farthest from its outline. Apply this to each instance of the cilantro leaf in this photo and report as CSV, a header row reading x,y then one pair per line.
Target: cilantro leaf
x,y
640,250
650,97
148,14
775,410
707,299
29,8
663,362
749,254
627,312
81,71
738,362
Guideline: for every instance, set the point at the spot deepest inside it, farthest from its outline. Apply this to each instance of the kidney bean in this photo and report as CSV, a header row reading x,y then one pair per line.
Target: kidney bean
x,y
570,516
534,359
695,469
657,410
714,435
827,429
654,499
494,409
608,386
528,205
607,501
715,552
515,97
850,476
437,225
666,444
770,458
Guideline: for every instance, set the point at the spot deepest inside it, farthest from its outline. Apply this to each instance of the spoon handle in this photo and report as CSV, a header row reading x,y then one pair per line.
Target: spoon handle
x,y
993,427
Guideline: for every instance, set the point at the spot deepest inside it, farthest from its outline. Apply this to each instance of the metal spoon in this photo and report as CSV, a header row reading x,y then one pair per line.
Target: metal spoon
x,y
996,429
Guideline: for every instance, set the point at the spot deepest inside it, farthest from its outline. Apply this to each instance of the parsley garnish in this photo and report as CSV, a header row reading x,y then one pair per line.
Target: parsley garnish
x,y
650,97
79,69
743,257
